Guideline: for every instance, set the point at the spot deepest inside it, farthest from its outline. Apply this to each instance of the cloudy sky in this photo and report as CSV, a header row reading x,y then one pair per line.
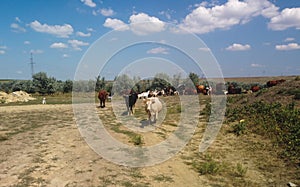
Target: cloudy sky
x,y
246,37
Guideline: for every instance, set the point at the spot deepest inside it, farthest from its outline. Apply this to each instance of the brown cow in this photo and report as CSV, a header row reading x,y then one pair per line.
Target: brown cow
x,y
102,96
232,90
274,82
255,88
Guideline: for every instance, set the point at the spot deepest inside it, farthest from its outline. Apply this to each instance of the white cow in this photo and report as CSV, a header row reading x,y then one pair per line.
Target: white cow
x,y
144,95
153,107
44,101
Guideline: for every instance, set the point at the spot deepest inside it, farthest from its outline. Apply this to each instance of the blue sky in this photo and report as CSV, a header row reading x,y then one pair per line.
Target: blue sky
x,y
247,37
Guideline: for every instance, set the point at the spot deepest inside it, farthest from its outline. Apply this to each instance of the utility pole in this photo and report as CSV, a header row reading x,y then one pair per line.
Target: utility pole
x,y
31,63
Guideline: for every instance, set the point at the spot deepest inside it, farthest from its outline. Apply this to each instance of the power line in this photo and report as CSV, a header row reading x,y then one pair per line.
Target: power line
x,y
31,64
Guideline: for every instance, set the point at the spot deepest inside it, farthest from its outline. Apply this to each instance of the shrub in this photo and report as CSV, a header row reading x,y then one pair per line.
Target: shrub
x,y
137,140
239,128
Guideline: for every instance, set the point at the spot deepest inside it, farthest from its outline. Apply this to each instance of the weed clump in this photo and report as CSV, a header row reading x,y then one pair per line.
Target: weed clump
x,y
240,128
241,170
137,139
209,166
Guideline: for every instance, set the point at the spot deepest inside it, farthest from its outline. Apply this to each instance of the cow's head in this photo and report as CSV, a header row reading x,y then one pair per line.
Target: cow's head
x,y
148,102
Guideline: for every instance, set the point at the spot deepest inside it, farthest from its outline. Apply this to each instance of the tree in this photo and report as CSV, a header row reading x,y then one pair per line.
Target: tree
x,y
176,80
159,83
194,78
40,81
100,83
52,85
123,83
67,86
29,87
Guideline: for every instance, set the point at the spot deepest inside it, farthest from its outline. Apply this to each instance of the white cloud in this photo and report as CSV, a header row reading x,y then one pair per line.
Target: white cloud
x,y
26,42
58,45
2,52
62,31
3,47
143,24
140,24
238,47
106,12
36,51
115,24
289,39
76,44
89,3
18,19
234,12
290,46
90,29
289,17
81,34
158,50
257,65
17,28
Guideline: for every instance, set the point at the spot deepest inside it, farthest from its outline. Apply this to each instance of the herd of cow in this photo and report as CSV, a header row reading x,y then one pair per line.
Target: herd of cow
x,y
255,88
153,105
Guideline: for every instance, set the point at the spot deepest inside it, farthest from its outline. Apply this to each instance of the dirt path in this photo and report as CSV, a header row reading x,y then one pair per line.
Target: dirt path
x,y
43,147
54,154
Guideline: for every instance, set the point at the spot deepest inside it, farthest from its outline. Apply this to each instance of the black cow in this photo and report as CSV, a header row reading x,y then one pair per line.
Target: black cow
x,y
130,101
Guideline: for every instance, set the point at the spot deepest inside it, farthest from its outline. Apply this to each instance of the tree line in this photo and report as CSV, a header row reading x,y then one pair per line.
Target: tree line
x,y
43,84
40,83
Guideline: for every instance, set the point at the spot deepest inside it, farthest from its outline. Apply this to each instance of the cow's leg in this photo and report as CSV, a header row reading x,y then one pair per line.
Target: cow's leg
x,y
149,117
156,116
103,103
130,110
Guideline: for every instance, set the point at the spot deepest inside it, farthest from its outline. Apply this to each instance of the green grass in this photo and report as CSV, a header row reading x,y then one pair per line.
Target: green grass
x,y
162,178
241,170
280,123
